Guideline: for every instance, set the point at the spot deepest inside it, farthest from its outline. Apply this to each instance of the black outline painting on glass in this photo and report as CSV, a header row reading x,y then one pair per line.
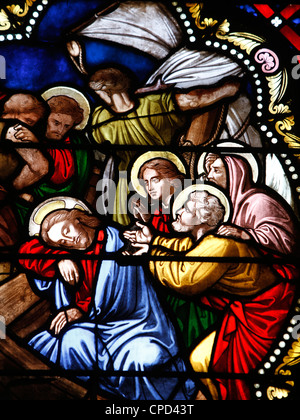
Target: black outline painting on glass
x,y
150,191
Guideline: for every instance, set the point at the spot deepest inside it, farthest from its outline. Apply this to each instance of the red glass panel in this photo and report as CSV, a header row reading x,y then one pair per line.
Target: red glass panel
x,y
290,10
291,35
265,10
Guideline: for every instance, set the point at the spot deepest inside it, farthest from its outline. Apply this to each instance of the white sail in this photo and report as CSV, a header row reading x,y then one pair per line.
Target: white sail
x,y
186,69
147,26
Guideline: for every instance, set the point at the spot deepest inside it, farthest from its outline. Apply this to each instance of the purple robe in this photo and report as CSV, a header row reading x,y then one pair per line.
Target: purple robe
x,y
260,211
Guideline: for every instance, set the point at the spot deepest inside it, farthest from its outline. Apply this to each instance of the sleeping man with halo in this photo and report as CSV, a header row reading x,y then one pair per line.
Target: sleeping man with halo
x,y
107,316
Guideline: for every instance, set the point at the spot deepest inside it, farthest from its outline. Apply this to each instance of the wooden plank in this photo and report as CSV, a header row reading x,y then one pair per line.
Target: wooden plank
x,y
7,362
24,313
6,270
15,358
19,356
39,388
16,297
31,321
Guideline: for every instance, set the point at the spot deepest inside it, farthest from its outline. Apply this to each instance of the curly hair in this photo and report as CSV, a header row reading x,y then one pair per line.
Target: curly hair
x,y
208,207
65,105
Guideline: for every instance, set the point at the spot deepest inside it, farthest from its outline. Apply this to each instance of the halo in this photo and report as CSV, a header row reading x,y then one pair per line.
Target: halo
x,y
247,156
146,157
184,195
50,205
74,94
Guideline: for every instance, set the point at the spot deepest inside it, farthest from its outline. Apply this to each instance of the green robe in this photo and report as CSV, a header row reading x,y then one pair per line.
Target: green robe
x,y
154,122
75,186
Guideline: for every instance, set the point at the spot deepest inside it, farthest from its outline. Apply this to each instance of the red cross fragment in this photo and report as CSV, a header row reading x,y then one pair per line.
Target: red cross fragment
x,y
290,10
265,10
291,35
286,13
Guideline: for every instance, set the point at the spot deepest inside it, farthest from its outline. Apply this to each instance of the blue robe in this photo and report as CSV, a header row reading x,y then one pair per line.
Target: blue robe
x,y
126,330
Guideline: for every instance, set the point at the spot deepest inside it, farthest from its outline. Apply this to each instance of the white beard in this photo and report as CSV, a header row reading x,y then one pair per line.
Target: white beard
x,y
178,227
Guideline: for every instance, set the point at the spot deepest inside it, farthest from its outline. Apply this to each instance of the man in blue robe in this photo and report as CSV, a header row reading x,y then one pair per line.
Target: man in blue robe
x,y
108,317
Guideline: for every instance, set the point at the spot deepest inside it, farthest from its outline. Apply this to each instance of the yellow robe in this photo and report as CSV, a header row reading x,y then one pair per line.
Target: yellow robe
x,y
254,316
192,278
153,122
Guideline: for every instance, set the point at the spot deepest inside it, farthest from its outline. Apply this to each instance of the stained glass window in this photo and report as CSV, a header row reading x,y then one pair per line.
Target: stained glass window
x,y
150,197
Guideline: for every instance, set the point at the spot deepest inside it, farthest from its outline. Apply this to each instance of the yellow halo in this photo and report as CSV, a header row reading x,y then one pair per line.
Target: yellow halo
x,y
146,157
50,205
73,94
184,195
247,156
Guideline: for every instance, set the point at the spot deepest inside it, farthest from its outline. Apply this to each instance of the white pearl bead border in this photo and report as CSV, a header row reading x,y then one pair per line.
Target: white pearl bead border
x,y
36,11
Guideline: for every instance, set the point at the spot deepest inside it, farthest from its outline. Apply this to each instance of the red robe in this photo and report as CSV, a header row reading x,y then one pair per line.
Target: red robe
x,y
63,164
47,268
248,330
160,221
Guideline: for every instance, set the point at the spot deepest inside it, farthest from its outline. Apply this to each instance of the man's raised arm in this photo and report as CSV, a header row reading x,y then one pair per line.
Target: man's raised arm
x,y
205,97
36,164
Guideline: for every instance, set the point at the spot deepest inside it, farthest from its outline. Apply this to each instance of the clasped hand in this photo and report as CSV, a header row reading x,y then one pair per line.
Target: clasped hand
x,y
19,134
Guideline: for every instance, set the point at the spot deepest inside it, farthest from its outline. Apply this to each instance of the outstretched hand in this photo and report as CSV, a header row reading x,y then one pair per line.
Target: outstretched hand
x,y
141,236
